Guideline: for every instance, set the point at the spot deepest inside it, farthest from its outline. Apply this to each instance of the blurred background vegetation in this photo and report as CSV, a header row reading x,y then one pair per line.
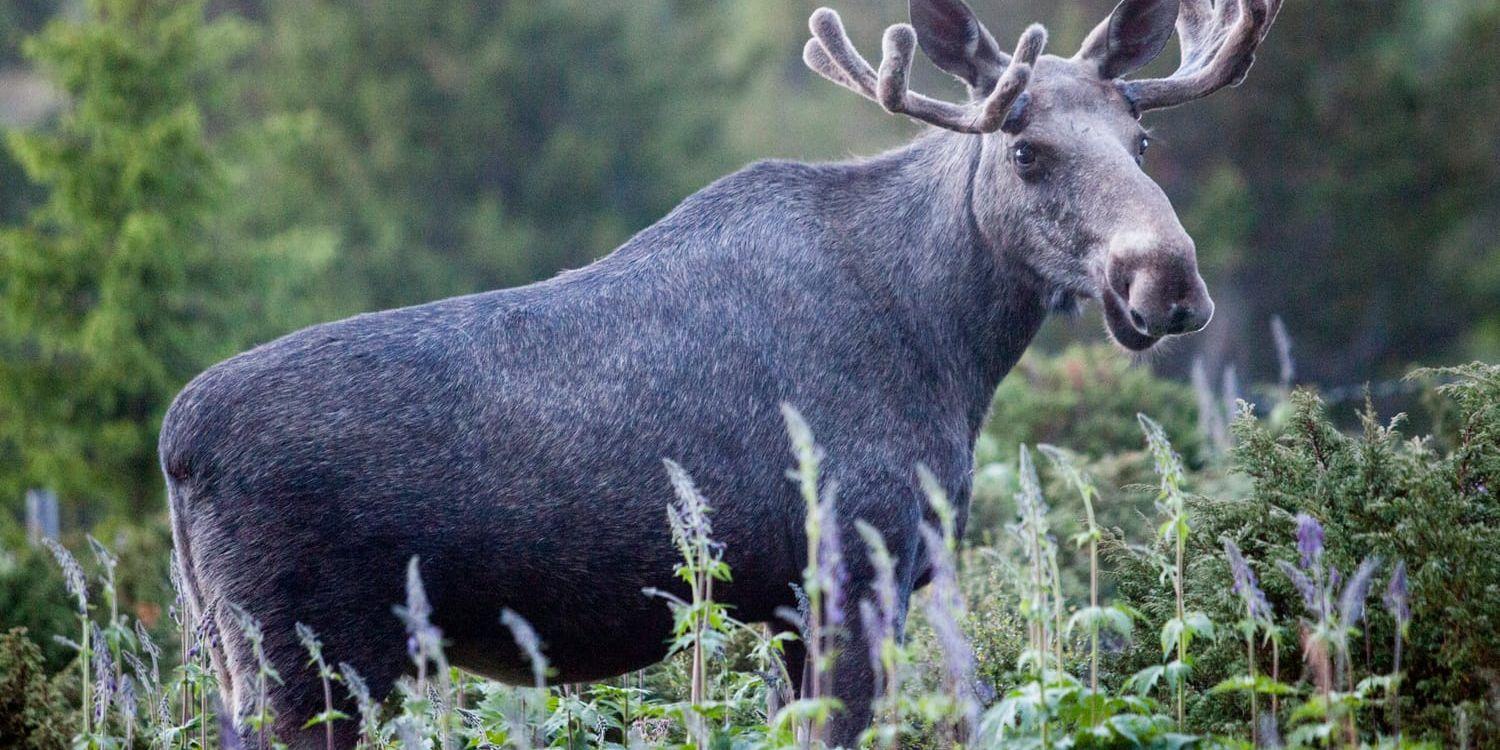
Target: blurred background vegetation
x,y
182,181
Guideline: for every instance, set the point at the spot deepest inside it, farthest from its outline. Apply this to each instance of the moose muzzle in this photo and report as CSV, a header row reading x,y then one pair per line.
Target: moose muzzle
x,y
1156,288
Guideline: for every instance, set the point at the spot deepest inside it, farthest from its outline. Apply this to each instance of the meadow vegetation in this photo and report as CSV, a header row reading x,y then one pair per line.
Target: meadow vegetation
x,y
1316,588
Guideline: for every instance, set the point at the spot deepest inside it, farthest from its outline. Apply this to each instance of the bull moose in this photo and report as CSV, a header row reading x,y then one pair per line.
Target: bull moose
x,y
514,440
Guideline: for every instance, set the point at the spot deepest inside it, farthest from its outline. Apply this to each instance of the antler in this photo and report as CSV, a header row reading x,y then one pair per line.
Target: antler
x,y
830,54
1219,40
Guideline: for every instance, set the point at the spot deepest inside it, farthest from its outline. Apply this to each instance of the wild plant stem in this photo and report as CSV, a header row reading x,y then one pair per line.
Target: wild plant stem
x,y
114,618
807,473
1094,605
1057,604
625,709
1254,700
260,691
203,717
1275,674
186,692
86,655
1396,686
1040,613
327,711
701,594
1181,618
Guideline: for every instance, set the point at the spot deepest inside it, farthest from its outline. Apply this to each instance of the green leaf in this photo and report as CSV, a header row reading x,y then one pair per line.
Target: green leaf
x,y
1177,671
326,717
1144,681
1200,624
1260,684
1171,633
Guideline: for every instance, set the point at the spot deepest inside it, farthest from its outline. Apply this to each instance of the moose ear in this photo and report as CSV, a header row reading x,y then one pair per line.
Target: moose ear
x,y
954,39
1133,35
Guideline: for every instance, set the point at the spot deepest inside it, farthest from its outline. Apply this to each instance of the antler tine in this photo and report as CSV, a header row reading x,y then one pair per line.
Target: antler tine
x,y
892,87
1013,82
828,29
1218,47
832,55
817,58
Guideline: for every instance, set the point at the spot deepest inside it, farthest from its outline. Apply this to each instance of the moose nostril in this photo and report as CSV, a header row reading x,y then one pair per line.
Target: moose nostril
x,y
1138,319
1177,320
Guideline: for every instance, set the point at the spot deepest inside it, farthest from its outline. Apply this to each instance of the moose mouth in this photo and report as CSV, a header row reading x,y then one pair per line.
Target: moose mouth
x,y
1121,328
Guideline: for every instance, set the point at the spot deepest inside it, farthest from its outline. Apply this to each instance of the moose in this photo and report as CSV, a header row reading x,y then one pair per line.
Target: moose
x,y
513,441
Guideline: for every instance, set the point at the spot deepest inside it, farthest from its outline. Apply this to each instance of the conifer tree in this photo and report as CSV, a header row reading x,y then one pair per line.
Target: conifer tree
x,y
107,290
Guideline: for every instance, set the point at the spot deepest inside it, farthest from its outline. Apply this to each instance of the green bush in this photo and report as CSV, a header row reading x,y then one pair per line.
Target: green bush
x,y
33,713
1377,493
33,597
1086,398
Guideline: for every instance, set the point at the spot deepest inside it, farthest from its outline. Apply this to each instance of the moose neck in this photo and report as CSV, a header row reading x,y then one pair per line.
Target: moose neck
x,y
966,308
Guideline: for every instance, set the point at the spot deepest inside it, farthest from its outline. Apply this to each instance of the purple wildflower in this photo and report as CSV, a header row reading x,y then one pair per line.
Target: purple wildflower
x,y
878,614
873,625
885,570
945,609
1397,597
104,671
137,667
125,699
831,568
689,515
1309,541
531,646
426,640
357,687
73,576
802,615
164,709
310,641
360,692
1246,585
1352,600
204,627
152,650
105,558
1304,585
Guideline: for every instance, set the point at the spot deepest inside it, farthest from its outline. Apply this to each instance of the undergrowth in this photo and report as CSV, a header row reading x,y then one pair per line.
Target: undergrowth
x,y
1331,590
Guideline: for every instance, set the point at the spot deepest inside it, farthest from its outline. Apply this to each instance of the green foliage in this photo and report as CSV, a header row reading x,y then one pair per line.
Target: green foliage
x,y
455,147
1377,493
1086,398
110,293
32,598
94,322
33,714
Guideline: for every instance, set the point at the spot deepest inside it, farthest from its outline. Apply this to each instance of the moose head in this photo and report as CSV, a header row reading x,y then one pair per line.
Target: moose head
x,y
1059,182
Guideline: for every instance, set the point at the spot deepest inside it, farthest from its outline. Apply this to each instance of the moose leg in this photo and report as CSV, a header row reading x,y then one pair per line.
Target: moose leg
x,y
855,680
270,712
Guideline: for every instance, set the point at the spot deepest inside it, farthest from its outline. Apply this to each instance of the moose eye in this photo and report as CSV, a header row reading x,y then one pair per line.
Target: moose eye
x,y
1140,149
1024,155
